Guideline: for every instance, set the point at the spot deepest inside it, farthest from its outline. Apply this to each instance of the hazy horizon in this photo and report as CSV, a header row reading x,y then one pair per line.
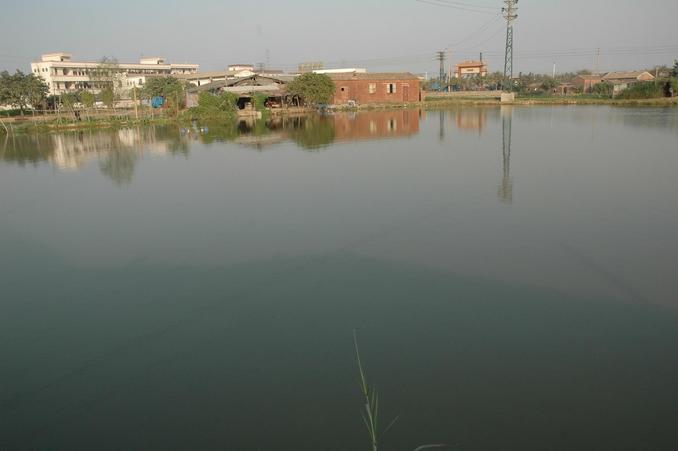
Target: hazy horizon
x,y
401,36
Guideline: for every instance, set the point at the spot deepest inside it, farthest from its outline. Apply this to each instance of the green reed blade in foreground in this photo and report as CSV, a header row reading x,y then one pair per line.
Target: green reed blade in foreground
x,y
371,414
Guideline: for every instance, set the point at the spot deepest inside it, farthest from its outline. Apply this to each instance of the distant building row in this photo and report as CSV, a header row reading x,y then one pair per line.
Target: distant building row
x,y
353,85
619,80
64,75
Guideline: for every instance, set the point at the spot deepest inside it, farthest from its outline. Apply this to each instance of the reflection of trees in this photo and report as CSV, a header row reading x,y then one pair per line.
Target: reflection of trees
x,y
116,150
218,132
313,132
118,165
24,149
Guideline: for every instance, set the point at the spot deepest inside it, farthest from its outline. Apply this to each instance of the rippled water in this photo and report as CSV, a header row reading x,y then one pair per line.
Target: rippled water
x,y
511,274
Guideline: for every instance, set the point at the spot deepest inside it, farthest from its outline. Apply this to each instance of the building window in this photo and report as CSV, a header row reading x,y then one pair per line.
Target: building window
x,y
372,88
391,88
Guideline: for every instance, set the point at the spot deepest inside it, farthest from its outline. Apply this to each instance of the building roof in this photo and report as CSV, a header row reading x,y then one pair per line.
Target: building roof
x,y
245,81
376,76
201,75
622,75
471,64
590,76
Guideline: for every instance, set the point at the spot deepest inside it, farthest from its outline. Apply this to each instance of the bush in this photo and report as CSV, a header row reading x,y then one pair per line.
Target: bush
x,y
215,107
603,89
259,101
315,89
643,90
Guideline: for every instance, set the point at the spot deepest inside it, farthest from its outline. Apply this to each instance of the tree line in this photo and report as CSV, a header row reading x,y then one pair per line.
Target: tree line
x,y
22,91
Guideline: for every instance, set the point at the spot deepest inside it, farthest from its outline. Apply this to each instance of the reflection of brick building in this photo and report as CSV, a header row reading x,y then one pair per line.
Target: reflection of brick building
x,y
471,119
376,124
366,88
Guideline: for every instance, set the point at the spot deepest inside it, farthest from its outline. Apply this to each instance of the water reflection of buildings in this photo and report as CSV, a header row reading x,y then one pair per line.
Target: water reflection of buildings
x,y
376,124
313,132
116,151
72,151
474,119
465,119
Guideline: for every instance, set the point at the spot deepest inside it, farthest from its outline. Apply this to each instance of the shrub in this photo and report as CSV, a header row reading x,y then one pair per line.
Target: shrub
x,y
259,101
313,88
603,89
215,107
643,90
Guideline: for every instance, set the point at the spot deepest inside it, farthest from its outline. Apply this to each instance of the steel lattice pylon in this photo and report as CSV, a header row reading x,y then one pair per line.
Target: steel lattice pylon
x,y
508,60
510,14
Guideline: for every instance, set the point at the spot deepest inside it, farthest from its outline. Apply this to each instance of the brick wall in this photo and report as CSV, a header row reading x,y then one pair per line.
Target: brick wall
x,y
365,91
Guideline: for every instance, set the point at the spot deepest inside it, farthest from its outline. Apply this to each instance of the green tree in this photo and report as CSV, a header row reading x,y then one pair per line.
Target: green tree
x,y
107,78
674,71
108,96
36,91
171,89
69,99
314,89
88,100
21,90
166,87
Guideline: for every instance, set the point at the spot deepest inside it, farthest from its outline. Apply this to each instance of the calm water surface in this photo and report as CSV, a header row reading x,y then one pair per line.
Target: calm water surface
x,y
511,273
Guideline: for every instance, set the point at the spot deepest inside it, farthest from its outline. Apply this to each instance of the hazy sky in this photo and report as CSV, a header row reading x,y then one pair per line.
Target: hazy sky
x,y
377,34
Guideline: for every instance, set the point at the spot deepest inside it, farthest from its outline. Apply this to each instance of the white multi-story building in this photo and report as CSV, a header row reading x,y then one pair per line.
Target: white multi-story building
x,y
63,75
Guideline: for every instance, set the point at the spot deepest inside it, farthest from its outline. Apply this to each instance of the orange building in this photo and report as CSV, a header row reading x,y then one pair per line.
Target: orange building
x,y
368,88
471,69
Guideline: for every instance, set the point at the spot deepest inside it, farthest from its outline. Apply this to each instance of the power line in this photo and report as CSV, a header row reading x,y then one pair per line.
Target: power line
x,y
466,4
479,30
460,8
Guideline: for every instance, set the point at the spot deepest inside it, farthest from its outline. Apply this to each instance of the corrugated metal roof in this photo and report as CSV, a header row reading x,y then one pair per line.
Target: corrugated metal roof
x,y
201,75
261,80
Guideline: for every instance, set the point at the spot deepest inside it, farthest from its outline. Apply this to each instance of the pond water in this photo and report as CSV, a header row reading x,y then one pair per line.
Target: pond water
x,y
511,274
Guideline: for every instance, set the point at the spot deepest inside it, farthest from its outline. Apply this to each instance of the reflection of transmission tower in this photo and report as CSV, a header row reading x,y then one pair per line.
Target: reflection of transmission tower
x,y
441,133
510,14
506,187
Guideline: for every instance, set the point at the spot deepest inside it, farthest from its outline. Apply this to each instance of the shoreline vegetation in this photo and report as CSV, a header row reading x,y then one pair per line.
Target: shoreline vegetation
x,y
165,101
129,118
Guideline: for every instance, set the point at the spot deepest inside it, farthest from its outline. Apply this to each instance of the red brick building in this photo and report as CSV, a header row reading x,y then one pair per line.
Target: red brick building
x,y
366,88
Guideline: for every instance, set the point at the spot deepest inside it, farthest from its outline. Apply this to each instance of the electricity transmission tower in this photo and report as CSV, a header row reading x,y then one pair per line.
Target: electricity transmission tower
x,y
510,14
441,57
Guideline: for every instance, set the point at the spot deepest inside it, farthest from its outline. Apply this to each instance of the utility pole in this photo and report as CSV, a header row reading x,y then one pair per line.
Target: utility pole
x,y
510,14
597,68
441,57
449,67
